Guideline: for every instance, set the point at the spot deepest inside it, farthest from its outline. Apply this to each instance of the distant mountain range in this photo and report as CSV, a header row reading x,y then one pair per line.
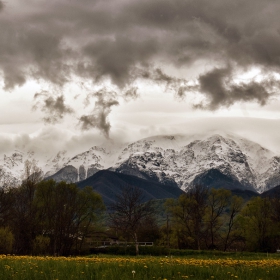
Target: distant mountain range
x,y
165,164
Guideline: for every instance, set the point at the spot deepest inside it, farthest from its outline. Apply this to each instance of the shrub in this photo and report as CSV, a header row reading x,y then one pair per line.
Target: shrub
x,y
41,245
6,241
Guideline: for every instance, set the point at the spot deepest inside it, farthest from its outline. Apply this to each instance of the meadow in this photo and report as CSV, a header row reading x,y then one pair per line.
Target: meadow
x,y
122,267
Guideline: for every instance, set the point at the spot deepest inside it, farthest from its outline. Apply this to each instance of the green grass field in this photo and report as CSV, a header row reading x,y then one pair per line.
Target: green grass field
x,y
123,268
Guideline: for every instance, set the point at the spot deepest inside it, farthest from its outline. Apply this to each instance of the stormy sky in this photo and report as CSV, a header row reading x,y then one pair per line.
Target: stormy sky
x,y
91,70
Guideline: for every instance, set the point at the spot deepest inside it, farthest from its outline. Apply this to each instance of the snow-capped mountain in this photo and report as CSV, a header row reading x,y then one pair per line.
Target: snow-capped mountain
x,y
185,163
172,160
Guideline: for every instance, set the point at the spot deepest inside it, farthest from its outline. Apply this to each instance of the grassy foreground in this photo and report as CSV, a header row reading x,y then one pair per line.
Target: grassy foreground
x,y
160,268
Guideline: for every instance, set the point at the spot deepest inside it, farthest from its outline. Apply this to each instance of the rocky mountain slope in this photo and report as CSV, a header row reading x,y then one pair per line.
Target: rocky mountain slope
x,y
180,160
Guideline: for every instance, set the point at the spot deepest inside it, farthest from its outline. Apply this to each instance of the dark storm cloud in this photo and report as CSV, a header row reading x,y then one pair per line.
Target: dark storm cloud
x,y
116,58
102,108
245,32
95,40
32,52
54,107
220,91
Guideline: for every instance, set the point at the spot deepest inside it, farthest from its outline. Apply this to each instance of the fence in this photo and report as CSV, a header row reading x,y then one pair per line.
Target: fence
x,y
103,244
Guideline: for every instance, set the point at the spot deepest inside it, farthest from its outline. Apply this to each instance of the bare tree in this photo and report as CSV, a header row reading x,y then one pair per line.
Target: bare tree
x,y
217,200
32,173
198,197
7,181
129,212
235,208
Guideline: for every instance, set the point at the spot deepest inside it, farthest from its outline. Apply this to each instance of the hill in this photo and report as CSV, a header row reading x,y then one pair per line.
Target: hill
x,y
109,184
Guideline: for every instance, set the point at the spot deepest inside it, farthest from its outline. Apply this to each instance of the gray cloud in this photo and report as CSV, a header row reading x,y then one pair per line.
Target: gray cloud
x,y
131,93
52,41
102,108
178,85
117,58
54,107
30,51
159,76
220,91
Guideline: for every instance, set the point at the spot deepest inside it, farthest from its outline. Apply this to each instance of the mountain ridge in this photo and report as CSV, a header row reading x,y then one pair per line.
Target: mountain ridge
x,y
178,160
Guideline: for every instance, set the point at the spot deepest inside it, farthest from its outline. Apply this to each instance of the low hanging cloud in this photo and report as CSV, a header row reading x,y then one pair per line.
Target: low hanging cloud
x,y
54,107
102,108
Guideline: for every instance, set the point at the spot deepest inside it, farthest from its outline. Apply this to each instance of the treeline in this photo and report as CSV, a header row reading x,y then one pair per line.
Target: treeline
x,y
201,219
46,217
215,219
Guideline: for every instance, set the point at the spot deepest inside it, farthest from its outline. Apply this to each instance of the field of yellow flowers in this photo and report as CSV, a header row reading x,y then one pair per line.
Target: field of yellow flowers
x,y
116,268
